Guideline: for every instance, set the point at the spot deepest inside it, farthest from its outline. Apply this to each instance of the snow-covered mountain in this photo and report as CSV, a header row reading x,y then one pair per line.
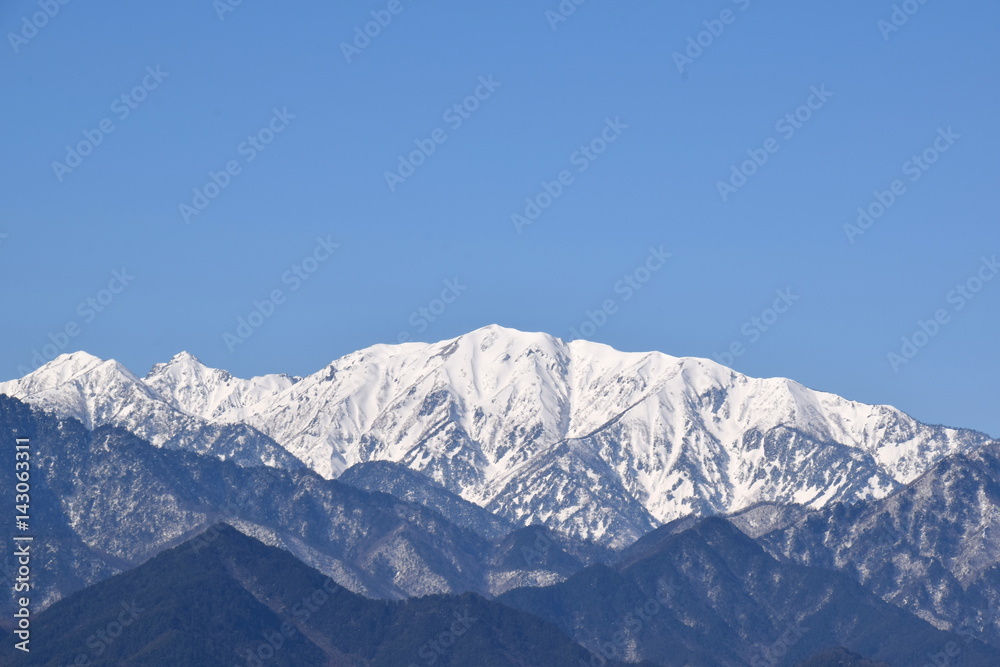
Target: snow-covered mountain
x,y
577,436
208,392
932,548
100,393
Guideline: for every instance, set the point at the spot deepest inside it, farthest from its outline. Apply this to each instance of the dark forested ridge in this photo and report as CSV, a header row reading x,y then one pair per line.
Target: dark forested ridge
x,y
711,596
840,657
224,599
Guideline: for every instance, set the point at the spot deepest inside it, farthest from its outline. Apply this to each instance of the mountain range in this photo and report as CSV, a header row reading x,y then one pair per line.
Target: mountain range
x,y
224,598
705,596
593,443
562,483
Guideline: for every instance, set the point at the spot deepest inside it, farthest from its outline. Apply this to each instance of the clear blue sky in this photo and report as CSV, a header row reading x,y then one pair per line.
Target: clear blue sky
x,y
554,90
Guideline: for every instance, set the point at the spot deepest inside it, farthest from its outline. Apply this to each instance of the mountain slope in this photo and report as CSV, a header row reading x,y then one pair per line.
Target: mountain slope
x,y
709,595
932,548
839,657
401,482
210,393
224,598
104,501
105,393
591,442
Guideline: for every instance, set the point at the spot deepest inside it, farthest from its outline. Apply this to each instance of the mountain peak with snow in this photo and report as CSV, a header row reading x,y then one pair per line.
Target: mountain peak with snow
x,y
211,393
575,435
69,365
185,357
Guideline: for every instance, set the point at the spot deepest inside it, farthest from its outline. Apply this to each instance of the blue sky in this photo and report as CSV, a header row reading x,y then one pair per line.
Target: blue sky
x,y
631,139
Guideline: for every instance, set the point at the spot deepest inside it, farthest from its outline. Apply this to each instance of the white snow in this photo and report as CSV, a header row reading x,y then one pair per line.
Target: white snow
x,y
489,414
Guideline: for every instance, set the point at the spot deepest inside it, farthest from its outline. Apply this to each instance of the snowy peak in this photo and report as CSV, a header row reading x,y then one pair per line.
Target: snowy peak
x,y
211,393
470,389
70,361
68,368
524,423
105,393
77,385
182,364
575,435
184,358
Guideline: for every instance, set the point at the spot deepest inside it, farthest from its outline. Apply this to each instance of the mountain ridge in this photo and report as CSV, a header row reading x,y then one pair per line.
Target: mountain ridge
x,y
226,598
501,418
